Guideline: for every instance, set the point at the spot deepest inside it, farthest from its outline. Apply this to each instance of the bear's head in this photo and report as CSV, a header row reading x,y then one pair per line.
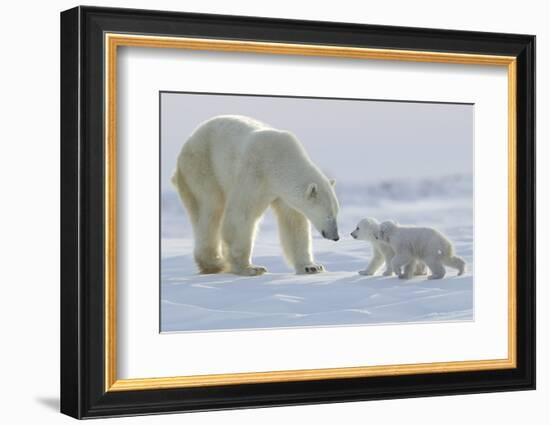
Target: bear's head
x,y
320,205
367,229
387,228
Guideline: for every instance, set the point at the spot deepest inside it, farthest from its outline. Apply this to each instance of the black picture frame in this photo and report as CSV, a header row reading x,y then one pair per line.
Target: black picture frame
x,y
83,392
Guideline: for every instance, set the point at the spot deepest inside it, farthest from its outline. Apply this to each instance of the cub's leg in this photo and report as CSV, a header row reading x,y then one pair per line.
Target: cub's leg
x,y
295,235
410,269
420,269
435,264
240,220
400,260
374,263
388,257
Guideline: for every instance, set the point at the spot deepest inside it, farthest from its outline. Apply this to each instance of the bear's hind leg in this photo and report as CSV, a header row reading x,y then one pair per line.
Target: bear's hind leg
x,y
435,264
205,203
208,255
295,235
238,233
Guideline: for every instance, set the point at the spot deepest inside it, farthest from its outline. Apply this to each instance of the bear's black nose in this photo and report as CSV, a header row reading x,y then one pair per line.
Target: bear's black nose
x,y
336,239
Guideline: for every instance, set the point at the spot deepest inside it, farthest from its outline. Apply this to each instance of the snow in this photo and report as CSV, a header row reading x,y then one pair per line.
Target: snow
x,y
280,298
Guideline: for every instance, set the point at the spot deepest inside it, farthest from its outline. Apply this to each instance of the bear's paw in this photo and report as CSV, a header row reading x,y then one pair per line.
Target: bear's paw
x,y
310,269
251,270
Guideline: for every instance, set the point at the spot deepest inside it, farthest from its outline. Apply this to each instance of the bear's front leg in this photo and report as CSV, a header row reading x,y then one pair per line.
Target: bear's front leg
x,y
388,257
238,232
397,263
374,264
295,235
409,271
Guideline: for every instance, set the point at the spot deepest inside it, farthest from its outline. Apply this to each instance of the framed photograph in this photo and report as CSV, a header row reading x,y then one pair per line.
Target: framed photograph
x,y
261,212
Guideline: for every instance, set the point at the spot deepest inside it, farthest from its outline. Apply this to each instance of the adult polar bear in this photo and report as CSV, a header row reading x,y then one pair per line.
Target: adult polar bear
x,y
229,171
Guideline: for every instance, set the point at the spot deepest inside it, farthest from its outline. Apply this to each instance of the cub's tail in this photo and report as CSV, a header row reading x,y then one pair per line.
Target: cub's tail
x,y
448,256
456,263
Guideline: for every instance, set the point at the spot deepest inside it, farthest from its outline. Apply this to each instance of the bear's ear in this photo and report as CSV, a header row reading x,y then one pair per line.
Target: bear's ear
x,y
383,231
332,182
311,191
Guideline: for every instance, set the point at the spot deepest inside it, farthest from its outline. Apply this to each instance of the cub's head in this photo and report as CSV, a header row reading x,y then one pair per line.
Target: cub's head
x,y
320,205
367,229
387,229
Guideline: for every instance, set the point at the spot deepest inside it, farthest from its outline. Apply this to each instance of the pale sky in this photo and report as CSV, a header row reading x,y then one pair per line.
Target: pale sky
x,y
351,141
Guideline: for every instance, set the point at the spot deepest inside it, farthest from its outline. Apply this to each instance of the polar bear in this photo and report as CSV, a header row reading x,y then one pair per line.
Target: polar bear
x,y
423,244
368,229
230,170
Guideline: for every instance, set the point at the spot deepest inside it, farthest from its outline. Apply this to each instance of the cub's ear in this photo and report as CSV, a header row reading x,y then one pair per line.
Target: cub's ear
x,y
312,191
332,182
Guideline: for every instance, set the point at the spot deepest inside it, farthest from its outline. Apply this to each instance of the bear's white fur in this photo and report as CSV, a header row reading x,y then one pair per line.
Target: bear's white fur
x,y
230,170
422,244
368,229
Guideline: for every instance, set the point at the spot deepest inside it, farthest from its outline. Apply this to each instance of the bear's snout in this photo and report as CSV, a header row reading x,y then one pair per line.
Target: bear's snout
x,y
333,235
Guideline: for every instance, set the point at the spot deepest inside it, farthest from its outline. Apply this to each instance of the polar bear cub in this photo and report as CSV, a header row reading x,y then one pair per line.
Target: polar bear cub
x,y
368,229
421,244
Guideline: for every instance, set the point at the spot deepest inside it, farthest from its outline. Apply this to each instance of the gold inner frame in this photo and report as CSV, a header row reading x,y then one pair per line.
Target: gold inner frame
x,y
113,41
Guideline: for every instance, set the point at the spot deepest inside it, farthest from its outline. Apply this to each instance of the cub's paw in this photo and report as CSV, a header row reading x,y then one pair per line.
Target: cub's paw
x,y
387,273
251,270
421,270
365,273
436,276
310,269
